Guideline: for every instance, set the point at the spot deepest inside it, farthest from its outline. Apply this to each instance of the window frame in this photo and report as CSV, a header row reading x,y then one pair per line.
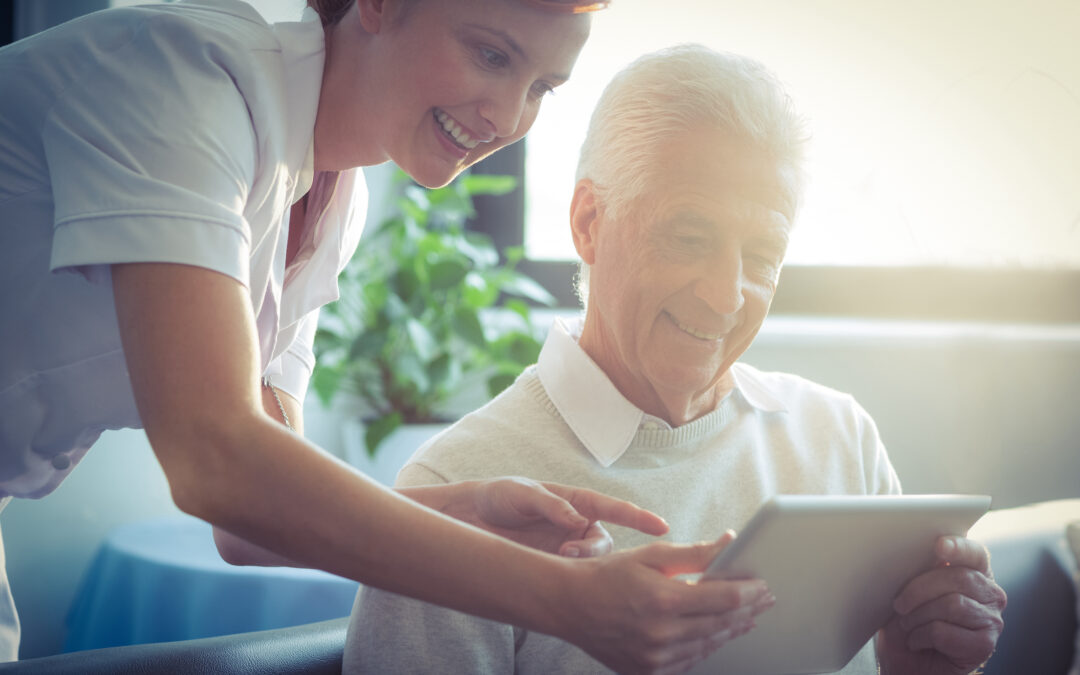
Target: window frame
x,y
933,293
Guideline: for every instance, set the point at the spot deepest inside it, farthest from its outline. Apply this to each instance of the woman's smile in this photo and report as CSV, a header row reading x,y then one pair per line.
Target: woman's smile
x,y
457,135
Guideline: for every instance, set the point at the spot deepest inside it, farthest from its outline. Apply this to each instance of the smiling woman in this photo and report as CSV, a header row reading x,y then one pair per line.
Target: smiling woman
x,y
180,191
468,79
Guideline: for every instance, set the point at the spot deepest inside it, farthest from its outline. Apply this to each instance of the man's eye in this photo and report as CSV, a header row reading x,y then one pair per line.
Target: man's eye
x,y
691,242
765,264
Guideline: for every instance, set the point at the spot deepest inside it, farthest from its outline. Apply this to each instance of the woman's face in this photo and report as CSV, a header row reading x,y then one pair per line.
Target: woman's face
x,y
437,85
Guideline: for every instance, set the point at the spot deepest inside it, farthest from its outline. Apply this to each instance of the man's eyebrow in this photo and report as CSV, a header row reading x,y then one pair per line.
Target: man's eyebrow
x,y
774,238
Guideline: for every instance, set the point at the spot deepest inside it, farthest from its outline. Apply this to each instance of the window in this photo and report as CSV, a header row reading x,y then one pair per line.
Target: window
x,y
945,158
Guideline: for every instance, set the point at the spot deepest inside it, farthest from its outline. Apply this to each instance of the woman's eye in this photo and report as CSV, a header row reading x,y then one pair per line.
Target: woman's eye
x,y
492,57
542,89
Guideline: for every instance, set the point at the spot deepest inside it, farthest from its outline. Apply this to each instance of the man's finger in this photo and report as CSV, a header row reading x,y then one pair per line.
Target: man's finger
x,y
963,552
596,506
943,581
955,609
964,647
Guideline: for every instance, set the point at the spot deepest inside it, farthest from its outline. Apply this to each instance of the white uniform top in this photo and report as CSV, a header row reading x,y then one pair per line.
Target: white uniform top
x,y
177,133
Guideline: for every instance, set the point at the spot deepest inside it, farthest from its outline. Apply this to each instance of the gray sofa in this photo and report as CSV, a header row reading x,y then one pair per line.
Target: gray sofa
x,y
1026,545
1034,565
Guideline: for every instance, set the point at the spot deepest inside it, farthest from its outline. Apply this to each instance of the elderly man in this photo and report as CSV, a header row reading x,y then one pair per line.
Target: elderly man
x,y
687,189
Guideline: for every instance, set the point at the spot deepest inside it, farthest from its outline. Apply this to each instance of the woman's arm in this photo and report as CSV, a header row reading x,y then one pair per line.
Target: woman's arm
x,y
233,549
189,340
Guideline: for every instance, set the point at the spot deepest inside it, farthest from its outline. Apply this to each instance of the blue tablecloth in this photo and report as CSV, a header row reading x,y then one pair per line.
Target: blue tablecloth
x,y
162,580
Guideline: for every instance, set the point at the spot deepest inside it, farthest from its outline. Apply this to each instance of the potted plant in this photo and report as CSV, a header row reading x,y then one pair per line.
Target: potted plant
x,y
427,308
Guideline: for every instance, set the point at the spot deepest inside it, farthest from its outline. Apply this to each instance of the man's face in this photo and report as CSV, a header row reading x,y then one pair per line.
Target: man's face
x,y
681,284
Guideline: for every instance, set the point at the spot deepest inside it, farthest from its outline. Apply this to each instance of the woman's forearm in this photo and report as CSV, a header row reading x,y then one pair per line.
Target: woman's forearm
x,y
272,488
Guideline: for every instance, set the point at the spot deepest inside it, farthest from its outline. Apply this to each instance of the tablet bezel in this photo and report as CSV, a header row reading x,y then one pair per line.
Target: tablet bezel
x,y
834,563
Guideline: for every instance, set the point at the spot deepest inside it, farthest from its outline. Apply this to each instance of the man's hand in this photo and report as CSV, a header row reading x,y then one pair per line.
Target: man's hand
x,y
947,619
548,516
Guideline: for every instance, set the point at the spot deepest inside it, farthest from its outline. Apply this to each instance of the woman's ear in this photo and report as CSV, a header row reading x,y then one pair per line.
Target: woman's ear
x,y
373,14
585,216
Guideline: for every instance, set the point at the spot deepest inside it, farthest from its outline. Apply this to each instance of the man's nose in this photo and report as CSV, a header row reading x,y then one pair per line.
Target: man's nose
x,y
720,283
504,108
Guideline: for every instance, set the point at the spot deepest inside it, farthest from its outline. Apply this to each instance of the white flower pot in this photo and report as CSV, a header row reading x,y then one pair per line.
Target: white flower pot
x,y
392,453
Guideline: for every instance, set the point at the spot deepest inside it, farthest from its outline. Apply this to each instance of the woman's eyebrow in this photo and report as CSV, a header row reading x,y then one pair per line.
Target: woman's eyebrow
x,y
510,41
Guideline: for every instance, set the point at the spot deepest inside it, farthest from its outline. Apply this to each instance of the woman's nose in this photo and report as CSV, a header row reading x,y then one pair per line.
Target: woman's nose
x,y
505,109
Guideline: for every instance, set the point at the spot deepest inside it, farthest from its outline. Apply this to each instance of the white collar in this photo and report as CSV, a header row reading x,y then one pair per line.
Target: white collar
x,y
599,415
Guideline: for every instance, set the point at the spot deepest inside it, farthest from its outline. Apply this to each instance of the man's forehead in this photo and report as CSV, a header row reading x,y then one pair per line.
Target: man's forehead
x,y
733,173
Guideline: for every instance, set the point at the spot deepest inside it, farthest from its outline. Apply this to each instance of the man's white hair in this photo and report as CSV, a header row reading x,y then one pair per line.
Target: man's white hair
x,y
673,91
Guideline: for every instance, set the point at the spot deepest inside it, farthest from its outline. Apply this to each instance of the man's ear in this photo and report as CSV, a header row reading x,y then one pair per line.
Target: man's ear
x,y
373,14
585,216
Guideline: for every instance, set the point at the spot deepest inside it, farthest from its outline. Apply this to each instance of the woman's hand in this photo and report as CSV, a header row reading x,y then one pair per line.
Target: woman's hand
x,y
632,615
947,619
546,516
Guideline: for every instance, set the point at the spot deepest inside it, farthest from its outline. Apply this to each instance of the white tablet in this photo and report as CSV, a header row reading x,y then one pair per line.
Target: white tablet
x,y
835,564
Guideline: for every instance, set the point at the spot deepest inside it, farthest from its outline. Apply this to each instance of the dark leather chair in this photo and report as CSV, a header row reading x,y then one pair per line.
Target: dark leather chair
x,y
310,649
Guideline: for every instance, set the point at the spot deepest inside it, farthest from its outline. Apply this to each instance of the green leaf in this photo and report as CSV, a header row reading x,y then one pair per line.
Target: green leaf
x,y
409,372
514,254
414,212
520,308
375,295
416,196
484,184
326,381
521,285
498,382
450,206
377,430
367,344
447,273
406,284
467,325
523,349
422,340
478,292
479,248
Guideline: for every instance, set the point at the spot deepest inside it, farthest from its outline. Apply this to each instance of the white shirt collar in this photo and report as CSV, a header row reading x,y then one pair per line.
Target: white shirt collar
x,y
599,415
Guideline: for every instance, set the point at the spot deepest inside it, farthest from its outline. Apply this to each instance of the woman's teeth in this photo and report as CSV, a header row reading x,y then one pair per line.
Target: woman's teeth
x,y
460,136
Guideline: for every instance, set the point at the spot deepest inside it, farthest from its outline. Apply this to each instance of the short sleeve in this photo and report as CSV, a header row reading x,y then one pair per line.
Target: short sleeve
x,y
291,371
151,154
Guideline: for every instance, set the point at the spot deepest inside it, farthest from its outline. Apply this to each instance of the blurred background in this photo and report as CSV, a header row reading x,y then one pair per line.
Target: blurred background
x,y
934,272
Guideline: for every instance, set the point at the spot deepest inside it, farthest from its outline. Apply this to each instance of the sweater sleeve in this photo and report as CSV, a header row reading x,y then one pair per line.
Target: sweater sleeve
x,y
390,633
880,476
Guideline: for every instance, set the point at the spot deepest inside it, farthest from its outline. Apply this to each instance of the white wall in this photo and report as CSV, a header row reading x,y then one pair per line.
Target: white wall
x,y
964,408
